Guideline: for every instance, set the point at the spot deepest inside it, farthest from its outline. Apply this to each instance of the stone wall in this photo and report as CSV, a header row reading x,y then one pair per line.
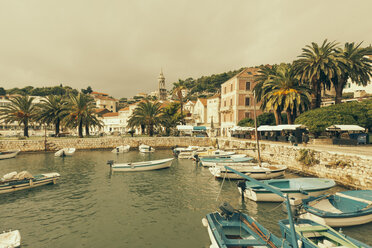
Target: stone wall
x,y
53,144
346,169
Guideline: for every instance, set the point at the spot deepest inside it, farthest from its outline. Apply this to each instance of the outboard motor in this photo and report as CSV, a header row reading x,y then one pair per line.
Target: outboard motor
x,y
176,153
110,162
296,206
196,157
227,210
242,186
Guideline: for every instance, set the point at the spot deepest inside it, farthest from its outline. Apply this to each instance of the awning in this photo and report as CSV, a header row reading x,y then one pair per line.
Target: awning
x,y
238,128
265,128
199,128
184,128
345,128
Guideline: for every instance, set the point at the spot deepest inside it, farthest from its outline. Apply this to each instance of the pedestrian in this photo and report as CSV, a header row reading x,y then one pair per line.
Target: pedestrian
x,y
305,138
292,139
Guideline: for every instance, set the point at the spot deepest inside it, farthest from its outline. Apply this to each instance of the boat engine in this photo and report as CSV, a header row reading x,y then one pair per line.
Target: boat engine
x,y
196,157
227,210
110,162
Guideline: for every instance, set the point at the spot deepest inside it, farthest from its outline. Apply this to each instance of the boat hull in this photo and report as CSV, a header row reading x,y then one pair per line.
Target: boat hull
x,y
10,239
338,222
50,178
142,166
252,171
121,149
9,154
271,197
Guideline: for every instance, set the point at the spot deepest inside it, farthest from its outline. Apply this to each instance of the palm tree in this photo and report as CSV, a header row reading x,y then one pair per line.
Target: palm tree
x,y
265,75
80,108
91,120
52,109
318,66
148,114
283,91
355,65
21,109
171,117
178,92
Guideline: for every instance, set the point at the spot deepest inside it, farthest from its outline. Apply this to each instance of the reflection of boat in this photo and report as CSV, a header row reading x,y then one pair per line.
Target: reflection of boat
x,y
10,239
17,181
121,149
232,159
265,171
65,152
9,154
231,228
142,166
346,208
295,187
311,234
146,148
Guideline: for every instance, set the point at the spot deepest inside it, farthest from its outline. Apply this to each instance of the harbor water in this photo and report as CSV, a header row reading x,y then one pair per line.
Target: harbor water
x,y
92,207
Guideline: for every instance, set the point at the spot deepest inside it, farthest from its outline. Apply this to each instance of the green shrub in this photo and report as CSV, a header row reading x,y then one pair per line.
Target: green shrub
x,y
307,157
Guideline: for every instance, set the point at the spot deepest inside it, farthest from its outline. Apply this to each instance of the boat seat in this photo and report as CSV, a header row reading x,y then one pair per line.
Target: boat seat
x,y
339,240
311,228
244,242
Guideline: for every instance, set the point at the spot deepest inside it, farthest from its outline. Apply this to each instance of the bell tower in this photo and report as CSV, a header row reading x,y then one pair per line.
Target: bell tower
x,y
162,90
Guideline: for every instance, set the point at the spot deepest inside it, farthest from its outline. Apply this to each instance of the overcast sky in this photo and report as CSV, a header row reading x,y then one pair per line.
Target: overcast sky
x,y
119,46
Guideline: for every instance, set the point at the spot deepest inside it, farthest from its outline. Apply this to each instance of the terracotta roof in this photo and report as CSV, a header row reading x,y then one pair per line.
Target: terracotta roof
x,y
98,93
111,114
100,110
105,98
215,96
249,71
203,101
124,109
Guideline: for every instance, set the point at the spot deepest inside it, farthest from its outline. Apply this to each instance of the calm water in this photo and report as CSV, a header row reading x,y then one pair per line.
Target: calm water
x,y
91,207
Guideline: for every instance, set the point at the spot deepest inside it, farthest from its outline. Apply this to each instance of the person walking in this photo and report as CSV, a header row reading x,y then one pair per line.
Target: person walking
x,y
305,138
292,139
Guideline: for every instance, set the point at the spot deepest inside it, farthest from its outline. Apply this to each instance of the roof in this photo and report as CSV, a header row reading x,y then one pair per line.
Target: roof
x,y
111,114
280,127
345,128
98,93
105,98
203,101
247,72
184,128
124,109
100,110
238,128
215,96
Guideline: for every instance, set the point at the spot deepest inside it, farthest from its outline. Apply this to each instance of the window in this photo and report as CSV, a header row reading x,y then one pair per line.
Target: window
x,y
247,85
224,90
224,103
247,114
230,102
231,87
247,101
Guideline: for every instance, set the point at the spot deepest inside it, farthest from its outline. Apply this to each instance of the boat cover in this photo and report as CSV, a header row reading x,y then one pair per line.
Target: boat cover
x,y
23,175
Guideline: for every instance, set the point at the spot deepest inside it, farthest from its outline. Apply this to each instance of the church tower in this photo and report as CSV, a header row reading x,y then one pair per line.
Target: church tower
x,y
162,90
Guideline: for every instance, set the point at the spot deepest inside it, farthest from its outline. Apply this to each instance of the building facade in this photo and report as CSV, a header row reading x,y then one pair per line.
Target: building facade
x,y
200,112
103,100
237,99
213,111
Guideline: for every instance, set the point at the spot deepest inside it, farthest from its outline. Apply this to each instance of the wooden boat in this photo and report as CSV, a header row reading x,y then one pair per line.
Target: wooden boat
x,y
232,159
9,154
146,148
231,228
311,234
142,166
10,239
25,180
214,153
65,152
304,233
265,171
121,149
346,208
295,187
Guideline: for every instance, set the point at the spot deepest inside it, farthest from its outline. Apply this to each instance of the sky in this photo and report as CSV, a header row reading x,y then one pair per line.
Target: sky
x,y
120,46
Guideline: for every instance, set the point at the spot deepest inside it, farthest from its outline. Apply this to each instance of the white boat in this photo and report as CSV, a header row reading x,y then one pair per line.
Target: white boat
x,y
121,149
265,171
348,208
9,154
296,187
65,152
24,180
214,154
10,239
146,148
142,166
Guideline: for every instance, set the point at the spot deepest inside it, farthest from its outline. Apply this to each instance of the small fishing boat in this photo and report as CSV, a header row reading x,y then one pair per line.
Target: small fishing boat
x,y
9,154
65,152
141,166
265,171
311,234
146,148
295,187
346,208
121,149
10,239
186,149
232,159
24,180
231,228
214,153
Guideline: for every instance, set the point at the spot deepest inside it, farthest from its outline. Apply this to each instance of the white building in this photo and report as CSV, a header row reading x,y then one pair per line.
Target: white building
x,y
213,111
112,123
103,100
200,112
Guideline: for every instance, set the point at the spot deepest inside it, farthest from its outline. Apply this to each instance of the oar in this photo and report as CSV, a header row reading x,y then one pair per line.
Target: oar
x,y
258,231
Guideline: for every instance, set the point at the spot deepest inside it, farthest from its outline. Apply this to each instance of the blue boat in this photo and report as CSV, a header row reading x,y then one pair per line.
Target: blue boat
x,y
346,208
231,228
311,234
304,233
296,187
231,159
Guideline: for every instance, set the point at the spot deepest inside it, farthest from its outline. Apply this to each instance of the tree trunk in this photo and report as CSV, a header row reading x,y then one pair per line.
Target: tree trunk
x,y
151,130
57,126
314,95
25,128
80,129
289,116
142,129
86,130
339,88
277,117
182,119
